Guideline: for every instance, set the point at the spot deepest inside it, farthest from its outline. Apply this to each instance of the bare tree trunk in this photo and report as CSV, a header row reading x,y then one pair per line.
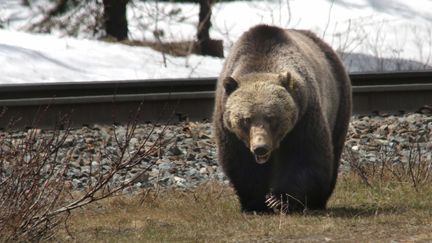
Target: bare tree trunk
x,y
204,20
116,24
206,45
60,8
25,3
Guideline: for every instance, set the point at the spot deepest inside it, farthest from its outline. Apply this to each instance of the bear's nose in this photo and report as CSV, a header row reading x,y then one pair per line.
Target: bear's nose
x,y
261,150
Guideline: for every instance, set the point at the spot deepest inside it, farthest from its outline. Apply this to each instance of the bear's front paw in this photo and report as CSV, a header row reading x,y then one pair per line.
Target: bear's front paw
x,y
284,203
256,207
276,203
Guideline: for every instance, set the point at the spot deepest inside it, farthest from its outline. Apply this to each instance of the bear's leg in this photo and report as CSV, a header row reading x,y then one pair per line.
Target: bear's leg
x,y
304,168
254,205
249,179
251,183
339,134
302,189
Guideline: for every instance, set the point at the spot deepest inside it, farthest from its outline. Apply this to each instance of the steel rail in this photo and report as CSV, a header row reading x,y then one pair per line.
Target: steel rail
x,y
85,99
113,101
391,78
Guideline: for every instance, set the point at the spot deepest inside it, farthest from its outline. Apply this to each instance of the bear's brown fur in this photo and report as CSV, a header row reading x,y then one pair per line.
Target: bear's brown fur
x,y
283,104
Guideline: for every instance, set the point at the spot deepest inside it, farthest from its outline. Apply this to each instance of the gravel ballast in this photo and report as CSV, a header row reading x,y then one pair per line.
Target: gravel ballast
x,y
187,157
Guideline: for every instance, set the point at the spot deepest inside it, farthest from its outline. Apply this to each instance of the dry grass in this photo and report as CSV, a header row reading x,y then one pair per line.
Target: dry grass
x,y
179,48
35,191
356,212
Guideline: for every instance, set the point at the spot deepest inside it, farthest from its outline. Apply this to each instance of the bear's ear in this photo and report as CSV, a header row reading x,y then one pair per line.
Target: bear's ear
x,y
230,85
286,80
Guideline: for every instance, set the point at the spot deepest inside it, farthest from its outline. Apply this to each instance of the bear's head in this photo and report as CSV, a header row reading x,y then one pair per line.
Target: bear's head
x,y
260,111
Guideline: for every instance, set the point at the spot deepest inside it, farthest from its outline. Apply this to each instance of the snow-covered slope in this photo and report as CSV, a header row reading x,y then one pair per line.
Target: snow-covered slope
x,y
379,29
43,58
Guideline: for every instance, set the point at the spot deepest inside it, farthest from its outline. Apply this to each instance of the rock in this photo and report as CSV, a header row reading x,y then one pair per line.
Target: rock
x,y
203,170
95,165
204,136
179,181
174,150
85,170
133,141
189,156
154,173
89,140
143,178
76,183
69,141
166,166
191,172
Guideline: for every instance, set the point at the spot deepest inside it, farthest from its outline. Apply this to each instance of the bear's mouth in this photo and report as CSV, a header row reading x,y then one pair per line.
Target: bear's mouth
x,y
261,159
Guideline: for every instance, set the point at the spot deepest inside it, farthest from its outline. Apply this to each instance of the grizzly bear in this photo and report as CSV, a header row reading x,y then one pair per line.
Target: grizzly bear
x,y
282,108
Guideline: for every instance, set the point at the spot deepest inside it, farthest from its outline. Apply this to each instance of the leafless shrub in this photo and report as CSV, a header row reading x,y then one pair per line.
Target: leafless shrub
x,y
423,43
348,40
372,44
226,32
392,165
328,19
156,20
36,195
31,184
84,18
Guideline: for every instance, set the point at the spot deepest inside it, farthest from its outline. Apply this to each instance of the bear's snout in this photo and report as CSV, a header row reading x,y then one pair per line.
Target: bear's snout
x,y
261,149
260,144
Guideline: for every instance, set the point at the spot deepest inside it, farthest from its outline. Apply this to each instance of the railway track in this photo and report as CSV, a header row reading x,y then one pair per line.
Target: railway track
x,y
107,102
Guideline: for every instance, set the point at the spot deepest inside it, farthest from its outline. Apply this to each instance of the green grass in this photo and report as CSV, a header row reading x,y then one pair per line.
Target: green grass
x,y
387,211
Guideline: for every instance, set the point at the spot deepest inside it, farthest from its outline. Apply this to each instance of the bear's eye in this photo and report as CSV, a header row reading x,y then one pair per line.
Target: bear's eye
x,y
245,122
270,119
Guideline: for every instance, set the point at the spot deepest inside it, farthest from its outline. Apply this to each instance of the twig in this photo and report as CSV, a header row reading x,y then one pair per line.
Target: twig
x,y
328,19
